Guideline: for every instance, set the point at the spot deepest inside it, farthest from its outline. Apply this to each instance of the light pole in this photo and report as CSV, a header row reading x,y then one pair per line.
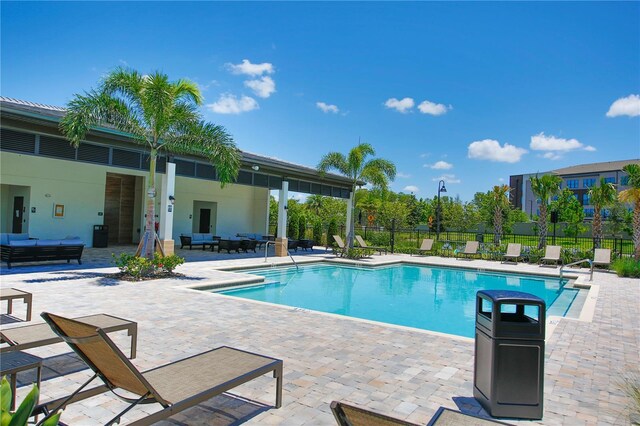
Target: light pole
x,y
441,188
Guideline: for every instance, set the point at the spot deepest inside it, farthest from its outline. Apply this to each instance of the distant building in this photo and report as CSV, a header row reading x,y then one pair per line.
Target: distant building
x,y
577,178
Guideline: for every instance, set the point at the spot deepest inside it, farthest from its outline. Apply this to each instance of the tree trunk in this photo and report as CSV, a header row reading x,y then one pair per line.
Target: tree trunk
x,y
351,230
542,226
149,237
636,229
597,227
497,225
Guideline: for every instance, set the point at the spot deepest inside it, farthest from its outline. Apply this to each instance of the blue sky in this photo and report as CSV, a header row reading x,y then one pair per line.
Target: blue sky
x,y
466,92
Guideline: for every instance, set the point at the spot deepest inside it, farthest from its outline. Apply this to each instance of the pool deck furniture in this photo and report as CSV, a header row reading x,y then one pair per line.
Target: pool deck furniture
x,y
363,244
33,250
11,294
292,245
229,245
198,239
514,252
341,247
36,335
305,244
601,257
13,363
176,386
246,245
551,254
470,249
426,246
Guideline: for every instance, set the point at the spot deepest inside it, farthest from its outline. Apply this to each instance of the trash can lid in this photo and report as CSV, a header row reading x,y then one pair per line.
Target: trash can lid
x,y
509,295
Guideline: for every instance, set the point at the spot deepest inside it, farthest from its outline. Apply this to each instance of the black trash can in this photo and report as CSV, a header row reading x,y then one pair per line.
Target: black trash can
x,y
480,238
508,378
100,235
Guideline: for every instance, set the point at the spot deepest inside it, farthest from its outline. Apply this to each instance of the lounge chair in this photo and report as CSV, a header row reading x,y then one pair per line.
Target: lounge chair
x,y
350,415
551,254
341,247
176,386
11,294
470,249
427,246
513,252
364,245
601,257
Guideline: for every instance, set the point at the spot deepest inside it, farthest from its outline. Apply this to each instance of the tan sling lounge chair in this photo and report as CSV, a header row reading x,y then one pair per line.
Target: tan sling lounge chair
x,y
427,246
176,386
364,245
601,257
341,247
551,254
470,249
513,252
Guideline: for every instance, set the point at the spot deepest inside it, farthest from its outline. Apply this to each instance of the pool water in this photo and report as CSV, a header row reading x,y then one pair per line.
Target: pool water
x,y
430,298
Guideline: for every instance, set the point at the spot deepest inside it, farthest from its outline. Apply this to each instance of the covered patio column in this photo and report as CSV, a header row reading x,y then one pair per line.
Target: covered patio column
x,y
281,238
349,214
166,209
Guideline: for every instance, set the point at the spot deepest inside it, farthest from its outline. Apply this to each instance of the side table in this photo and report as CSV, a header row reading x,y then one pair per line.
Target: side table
x,y
13,362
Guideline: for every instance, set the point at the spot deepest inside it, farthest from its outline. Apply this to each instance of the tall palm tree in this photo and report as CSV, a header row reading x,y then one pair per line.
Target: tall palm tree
x,y
632,196
544,188
159,114
602,196
315,203
500,201
355,166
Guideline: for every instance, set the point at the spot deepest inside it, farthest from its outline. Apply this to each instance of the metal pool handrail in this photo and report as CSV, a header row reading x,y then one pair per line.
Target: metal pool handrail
x,y
577,262
266,253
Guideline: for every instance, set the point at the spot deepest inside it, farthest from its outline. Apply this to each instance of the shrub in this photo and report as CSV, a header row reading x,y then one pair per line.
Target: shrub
x,y
22,414
292,228
317,232
331,230
627,267
134,266
167,263
379,238
357,253
535,255
302,227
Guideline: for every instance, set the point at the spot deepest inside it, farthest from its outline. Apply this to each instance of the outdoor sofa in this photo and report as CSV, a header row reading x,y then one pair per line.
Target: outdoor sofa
x,y
197,239
261,239
21,248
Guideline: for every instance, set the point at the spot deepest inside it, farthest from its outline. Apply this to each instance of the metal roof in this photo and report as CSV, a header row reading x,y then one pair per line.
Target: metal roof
x,y
39,113
609,166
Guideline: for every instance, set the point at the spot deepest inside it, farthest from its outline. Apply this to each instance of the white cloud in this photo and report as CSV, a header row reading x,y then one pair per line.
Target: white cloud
x,y
589,148
324,107
489,149
625,106
448,178
403,175
556,147
230,104
440,165
402,105
247,68
425,155
411,188
262,87
551,155
500,179
428,107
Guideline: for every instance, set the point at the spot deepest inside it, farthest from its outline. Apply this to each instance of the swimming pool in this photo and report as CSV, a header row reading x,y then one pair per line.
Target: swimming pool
x,y
430,298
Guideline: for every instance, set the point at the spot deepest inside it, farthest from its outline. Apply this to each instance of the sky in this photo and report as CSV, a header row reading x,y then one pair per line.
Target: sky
x,y
465,92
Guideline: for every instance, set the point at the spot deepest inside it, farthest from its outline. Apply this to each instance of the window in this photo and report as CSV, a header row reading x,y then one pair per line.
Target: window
x,y
624,180
588,182
588,212
610,179
605,213
586,199
573,183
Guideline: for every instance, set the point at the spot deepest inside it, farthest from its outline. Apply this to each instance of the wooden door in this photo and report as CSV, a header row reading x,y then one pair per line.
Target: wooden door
x,y
118,207
205,221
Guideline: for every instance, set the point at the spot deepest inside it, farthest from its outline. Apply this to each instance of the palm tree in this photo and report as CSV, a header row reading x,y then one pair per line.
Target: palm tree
x,y
602,196
544,188
315,203
159,114
500,201
355,166
632,196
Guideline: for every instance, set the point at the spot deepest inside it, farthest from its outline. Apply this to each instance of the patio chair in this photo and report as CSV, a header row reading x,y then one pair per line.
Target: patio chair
x,y
341,247
601,257
176,386
350,415
364,245
514,252
426,247
551,254
470,249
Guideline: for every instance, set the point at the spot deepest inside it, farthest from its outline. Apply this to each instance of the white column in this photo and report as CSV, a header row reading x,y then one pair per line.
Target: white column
x,y
282,211
266,225
349,214
166,207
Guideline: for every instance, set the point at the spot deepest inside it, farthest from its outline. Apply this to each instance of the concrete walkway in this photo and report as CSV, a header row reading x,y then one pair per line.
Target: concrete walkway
x,y
400,371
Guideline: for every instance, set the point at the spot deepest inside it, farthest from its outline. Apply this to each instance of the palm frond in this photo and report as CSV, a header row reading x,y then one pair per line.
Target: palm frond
x,y
334,161
633,170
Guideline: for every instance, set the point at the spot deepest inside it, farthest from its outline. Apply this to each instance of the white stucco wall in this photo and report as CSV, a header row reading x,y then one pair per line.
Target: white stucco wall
x,y
80,187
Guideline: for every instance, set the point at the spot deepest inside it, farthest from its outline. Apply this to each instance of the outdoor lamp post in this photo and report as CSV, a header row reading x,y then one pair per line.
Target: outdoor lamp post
x,y
441,188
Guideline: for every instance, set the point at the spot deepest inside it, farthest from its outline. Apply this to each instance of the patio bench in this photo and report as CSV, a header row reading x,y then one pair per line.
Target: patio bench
x,y
196,239
32,250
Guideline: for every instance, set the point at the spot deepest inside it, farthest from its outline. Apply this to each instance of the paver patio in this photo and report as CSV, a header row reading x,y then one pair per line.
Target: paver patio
x,y
400,371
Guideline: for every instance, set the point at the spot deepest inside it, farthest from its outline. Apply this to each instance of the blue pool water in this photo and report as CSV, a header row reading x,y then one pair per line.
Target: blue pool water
x,y
437,299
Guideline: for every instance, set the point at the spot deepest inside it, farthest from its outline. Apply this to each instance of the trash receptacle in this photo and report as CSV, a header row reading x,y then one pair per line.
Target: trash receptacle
x,y
480,238
508,378
100,235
